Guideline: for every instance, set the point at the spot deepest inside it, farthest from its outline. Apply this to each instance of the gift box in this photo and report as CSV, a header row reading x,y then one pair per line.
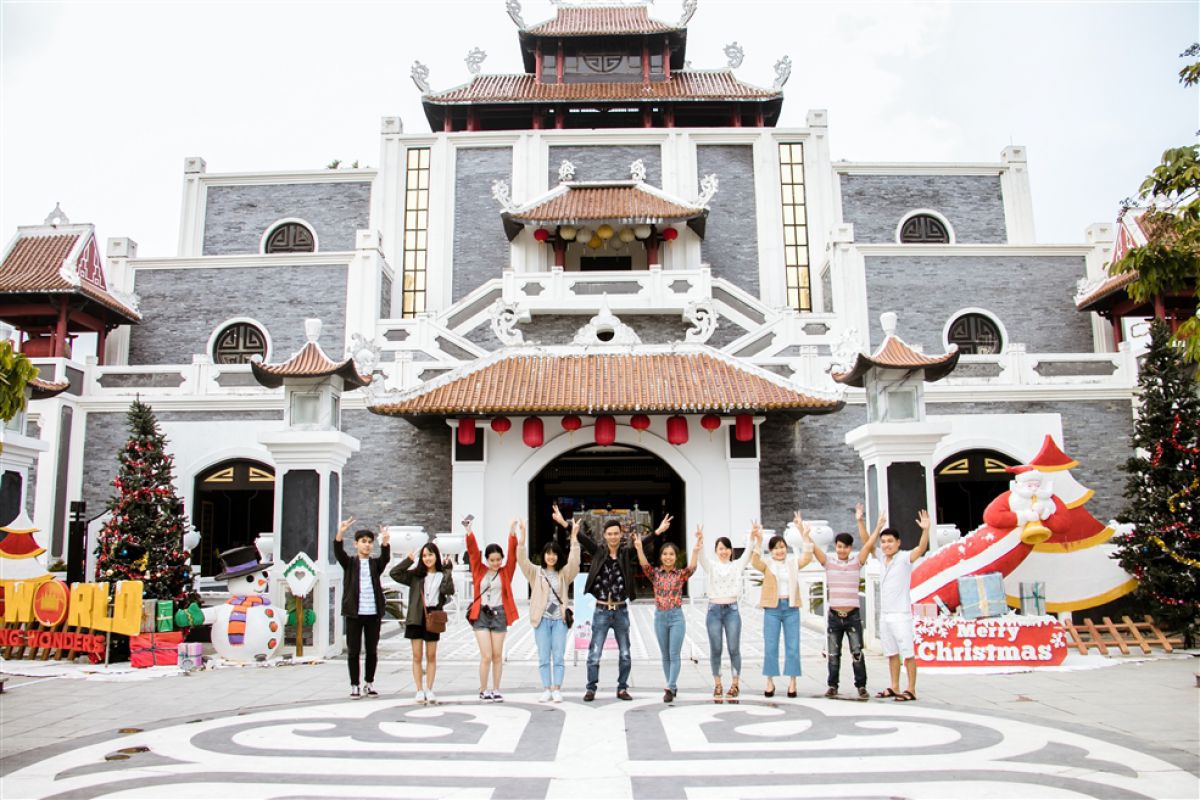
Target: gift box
x,y
925,609
982,595
190,656
149,612
155,649
1033,598
164,616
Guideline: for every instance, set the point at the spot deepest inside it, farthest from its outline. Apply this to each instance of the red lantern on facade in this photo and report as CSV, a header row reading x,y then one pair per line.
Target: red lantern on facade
x,y
541,235
532,432
677,432
710,422
606,430
466,431
501,425
743,428
571,423
670,234
639,422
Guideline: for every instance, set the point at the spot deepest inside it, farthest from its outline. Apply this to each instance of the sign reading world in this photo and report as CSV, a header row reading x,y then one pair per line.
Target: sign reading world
x,y
1017,641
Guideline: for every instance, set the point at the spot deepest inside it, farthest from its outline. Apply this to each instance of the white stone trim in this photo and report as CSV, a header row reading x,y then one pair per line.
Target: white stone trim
x,y
212,337
983,312
289,176
926,212
262,241
339,258
916,168
1016,250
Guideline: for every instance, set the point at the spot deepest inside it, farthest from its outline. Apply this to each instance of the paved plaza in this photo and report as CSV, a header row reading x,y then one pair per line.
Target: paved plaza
x,y
1129,730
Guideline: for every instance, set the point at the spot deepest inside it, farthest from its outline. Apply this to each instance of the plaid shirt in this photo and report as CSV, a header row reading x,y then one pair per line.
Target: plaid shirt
x,y
668,585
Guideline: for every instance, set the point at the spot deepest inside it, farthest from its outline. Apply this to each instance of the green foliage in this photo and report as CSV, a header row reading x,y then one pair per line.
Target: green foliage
x,y
1162,490
1190,75
16,371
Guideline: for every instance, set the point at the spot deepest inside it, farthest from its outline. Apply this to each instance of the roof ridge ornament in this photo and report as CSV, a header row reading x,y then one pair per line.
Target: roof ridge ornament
x,y
56,217
702,314
689,9
504,319
420,76
513,7
783,71
708,188
735,55
566,171
312,329
500,194
365,353
606,329
475,59
887,321
638,170
844,351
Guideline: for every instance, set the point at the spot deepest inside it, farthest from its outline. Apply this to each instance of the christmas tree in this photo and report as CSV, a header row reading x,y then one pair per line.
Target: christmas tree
x,y
1162,491
143,538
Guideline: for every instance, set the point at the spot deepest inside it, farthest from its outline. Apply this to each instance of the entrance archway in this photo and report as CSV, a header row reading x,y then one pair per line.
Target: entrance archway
x,y
597,483
233,503
966,482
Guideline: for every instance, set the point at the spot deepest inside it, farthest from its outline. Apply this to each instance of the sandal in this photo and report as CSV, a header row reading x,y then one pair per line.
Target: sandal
x,y
905,697
734,689
717,690
886,693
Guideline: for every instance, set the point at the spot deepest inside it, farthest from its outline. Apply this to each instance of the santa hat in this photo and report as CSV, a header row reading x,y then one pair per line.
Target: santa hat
x,y
1049,459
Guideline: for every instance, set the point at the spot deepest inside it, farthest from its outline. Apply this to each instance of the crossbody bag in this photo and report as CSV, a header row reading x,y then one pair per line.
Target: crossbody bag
x,y
568,613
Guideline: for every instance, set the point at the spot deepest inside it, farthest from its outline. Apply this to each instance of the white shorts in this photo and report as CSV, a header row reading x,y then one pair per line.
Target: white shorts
x,y
896,635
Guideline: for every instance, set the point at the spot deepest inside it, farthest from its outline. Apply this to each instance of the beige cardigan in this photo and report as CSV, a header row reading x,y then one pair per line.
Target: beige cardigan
x,y
770,591
540,587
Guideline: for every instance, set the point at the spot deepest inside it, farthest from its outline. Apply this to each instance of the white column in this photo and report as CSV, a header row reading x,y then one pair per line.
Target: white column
x,y
1101,237
881,444
191,214
364,282
387,195
120,275
821,198
1018,200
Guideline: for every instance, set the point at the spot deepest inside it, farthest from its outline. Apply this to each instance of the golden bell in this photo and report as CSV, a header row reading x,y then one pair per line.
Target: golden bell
x,y
1035,533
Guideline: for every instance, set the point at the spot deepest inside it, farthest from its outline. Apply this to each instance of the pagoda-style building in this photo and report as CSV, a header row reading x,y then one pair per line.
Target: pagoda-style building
x,y
602,67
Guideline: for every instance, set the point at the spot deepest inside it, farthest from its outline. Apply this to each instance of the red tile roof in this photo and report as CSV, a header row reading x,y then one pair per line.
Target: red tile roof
x,y
310,362
32,266
1110,286
517,382
682,86
895,354
601,20
619,202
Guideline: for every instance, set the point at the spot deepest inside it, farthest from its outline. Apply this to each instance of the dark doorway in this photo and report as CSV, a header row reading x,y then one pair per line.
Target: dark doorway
x,y
596,483
234,502
966,482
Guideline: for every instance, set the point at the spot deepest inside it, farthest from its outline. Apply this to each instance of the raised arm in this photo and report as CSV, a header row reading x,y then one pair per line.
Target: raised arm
x,y
528,569
869,544
699,550
641,552
385,546
752,546
403,572
339,550
926,523
510,563
473,558
806,534
572,569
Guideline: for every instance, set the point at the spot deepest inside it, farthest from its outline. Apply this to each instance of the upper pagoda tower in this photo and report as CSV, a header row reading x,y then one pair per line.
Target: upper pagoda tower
x,y
602,65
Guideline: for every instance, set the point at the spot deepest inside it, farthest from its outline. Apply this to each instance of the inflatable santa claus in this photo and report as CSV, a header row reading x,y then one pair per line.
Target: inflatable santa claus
x,y
1037,531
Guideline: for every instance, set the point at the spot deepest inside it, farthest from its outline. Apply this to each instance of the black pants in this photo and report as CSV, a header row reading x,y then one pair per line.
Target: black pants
x,y
355,628
851,628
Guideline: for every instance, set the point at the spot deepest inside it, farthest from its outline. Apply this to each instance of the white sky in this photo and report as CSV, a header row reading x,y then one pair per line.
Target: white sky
x,y
100,102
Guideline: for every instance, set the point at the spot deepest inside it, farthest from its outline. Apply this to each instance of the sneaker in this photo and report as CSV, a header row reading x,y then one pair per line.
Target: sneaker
x,y
831,691
589,695
863,694
369,690
420,697
556,696
545,698
485,696
430,697
355,693
497,697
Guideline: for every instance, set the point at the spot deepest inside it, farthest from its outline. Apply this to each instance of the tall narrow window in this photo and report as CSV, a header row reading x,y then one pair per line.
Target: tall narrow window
x,y
416,232
795,226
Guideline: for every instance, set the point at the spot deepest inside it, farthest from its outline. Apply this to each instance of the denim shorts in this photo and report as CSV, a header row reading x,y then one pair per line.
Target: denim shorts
x,y
491,619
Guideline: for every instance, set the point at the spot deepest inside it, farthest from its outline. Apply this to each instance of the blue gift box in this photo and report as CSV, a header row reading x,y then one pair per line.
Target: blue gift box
x,y
982,595
1033,598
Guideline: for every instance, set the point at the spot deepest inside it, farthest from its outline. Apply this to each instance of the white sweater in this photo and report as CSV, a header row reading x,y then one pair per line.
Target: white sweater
x,y
724,577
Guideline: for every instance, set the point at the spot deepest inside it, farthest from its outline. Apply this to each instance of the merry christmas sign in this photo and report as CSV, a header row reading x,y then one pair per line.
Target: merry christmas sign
x,y
1011,641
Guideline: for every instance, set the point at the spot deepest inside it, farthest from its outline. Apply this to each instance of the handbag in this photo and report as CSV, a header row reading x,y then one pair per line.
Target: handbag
x,y
435,620
568,613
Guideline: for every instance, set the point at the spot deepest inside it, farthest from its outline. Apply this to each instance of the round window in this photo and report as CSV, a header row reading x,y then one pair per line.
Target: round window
x,y
238,343
975,334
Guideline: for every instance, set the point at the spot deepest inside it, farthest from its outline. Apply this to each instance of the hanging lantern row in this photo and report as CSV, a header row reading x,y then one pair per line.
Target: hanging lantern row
x,y
598,236
533,431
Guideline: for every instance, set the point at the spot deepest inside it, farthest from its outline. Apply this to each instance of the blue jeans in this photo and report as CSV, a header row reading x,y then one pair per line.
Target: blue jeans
x,y
851,628
669,627
724,617
784,617
602,621
551,638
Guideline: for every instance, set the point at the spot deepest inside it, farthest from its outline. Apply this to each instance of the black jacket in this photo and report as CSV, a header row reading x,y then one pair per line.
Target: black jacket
x,y
415,581
350,577
626,560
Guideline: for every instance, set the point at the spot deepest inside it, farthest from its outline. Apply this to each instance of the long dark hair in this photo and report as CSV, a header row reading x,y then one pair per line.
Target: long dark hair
x,y
437,554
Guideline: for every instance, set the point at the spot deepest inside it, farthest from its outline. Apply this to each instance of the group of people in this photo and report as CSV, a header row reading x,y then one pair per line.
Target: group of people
x,y
615,563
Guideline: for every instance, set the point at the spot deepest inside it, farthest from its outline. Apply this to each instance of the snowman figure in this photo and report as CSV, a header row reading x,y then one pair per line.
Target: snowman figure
x,y
246,628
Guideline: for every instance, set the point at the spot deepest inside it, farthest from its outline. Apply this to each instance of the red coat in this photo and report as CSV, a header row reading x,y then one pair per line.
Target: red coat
x,y
479,569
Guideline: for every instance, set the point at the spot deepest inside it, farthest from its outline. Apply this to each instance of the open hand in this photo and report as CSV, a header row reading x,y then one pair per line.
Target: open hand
x,y
859,512
923,520
524,531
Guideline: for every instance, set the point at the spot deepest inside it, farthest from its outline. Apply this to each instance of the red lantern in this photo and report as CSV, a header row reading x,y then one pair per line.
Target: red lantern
x,y
677,432
606,430
571,423
743,428
466,431
639,422
670,234
541,235
532,432
501,425
710,422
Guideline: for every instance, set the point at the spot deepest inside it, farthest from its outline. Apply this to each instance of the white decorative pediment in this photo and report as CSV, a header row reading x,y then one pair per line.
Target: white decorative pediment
x,y
504,319
703,318
606,329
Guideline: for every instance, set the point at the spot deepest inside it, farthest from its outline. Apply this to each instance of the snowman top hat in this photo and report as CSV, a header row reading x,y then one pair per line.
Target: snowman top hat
x,y
240,561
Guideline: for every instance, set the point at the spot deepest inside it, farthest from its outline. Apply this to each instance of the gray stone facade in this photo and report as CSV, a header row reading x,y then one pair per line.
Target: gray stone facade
x,y
1096,433
730,240
1031,297
181,308
481,250
236,217
402,474
561,328
606,162
875,204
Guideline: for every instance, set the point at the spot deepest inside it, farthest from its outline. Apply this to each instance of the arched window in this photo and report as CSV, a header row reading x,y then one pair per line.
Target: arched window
x,y
975,334
924,229
290,237
238,343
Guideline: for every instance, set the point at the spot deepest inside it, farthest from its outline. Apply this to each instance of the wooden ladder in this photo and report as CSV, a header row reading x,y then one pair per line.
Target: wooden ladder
x,y
1121,635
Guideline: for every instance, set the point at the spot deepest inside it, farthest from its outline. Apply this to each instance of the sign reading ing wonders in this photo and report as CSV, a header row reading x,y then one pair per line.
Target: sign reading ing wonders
x,y
40,614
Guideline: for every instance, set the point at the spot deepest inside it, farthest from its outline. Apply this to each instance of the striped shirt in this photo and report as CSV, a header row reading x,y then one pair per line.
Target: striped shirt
x,y
841,580
366,591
